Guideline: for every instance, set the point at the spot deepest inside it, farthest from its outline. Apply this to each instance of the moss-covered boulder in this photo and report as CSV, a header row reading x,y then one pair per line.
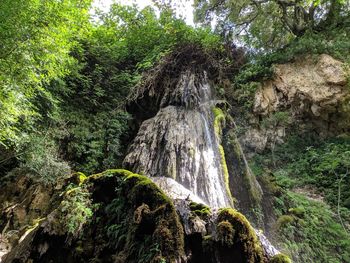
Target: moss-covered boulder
x,y
118,216
114,216
236,234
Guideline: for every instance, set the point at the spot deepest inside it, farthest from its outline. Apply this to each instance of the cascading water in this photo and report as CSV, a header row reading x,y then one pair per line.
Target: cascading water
x,y
179,149
180,143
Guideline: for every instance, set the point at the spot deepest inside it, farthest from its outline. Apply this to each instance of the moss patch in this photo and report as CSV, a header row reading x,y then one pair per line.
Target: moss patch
x,y
280,258
219,123
219,120
225,233
225,172
200,210
244,237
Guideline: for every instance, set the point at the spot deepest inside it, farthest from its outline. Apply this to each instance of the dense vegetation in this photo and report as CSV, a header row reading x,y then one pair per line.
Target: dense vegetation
x,y
70,104
309,179
65,79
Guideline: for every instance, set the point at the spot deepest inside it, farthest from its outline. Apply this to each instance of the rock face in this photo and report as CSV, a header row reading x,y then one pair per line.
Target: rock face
x,y
133,221
180,142
312,90
306,85
130,216
23,202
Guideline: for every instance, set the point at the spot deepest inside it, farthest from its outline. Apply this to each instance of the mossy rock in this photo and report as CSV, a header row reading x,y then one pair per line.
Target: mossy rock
x,y
284,220
243,236
225,233
297,211
280,258
133,221
150,217
200,210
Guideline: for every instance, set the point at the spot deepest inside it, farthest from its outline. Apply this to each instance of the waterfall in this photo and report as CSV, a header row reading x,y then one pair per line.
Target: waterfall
x,y
179,149
180,143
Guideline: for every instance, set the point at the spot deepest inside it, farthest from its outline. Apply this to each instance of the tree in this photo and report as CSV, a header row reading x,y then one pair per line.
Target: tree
x,y
35,40
270,23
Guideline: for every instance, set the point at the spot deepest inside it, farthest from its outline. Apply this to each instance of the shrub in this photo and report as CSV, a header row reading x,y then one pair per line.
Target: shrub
x,y
39,156
75,210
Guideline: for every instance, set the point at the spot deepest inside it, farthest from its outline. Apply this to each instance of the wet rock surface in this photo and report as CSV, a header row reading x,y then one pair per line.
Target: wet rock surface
x,y
180,142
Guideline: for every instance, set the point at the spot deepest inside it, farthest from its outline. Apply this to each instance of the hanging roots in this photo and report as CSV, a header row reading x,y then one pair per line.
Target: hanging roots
x,y
166,74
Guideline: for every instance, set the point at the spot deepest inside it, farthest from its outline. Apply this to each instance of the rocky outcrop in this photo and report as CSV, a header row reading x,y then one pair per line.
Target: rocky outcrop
x,y
23,203
115,216
132,220
180,141
313,85
313,92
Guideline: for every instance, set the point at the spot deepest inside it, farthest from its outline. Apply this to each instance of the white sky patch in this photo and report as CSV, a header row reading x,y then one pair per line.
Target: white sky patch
x,y
183,8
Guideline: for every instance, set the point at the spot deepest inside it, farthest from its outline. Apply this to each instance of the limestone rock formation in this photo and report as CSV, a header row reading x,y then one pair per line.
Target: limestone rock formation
x,y
314,85
313,91
180,142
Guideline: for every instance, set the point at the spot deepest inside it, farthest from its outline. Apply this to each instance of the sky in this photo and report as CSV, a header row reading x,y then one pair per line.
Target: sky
x,y
184,7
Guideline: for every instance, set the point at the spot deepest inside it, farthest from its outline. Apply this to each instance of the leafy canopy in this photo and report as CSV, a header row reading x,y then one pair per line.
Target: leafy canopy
x,y
35,40
270,24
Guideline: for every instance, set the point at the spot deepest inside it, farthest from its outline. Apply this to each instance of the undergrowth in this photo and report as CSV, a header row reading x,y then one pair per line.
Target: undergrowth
x,y
311,179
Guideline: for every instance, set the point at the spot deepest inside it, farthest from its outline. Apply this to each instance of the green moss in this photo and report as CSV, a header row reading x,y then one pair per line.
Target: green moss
x,y
280,258
149,228
142,188
219,120
244,234
297,211
79,178
284,220
200,210
225,172
225,233
232,141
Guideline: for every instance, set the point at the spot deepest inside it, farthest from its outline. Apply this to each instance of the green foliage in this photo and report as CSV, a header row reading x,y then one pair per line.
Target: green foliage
x,y
270,24
142,39
279,118
309,229
39,156
321,164
95,140
318,236
75,210
284,220
297,211
35,39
